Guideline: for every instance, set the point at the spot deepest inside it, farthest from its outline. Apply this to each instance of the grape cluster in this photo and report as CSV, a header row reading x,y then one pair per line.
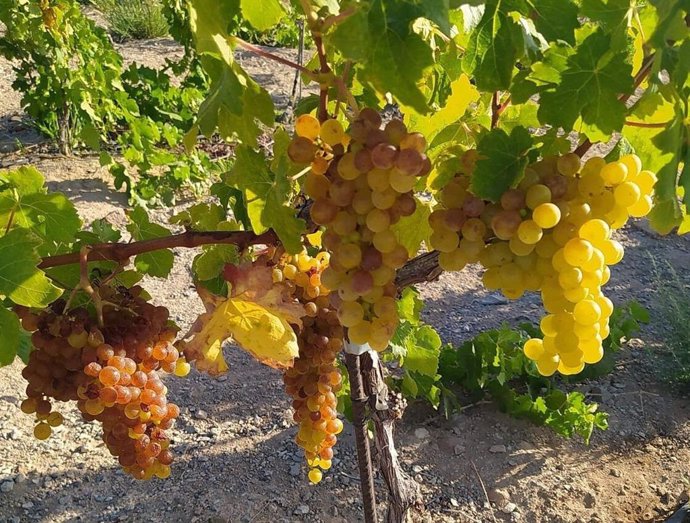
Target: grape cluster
x,y
111,371
551,234
315,378
361,183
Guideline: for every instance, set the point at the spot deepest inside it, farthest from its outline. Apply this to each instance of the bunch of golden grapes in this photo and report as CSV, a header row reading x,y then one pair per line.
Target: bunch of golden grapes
x,y
112,371
315,378
552,233
361,183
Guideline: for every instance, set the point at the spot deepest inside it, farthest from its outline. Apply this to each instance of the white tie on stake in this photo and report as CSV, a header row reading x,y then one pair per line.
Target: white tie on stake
x,y
357,349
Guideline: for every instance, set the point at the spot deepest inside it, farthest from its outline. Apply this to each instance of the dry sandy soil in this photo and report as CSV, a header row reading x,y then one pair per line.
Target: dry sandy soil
x,y
236,459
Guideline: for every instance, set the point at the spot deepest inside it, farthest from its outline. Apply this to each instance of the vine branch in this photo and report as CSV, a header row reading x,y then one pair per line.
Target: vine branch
x,y
265,54
121,252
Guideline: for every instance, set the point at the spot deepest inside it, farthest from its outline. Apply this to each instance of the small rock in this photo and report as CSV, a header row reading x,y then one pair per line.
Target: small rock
x,y
454,502
7,486
295,469
494,299
615,473
19,478
508,508
589,500
498,449
28,505
499,497
458,449
417,469
201,414
421,433
301,510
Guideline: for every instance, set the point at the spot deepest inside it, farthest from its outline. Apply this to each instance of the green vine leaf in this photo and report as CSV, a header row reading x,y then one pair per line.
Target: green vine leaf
x,y
555,19
267,194
589,88
25,203
20,280
9,341
390,55
502,162
493,48
262,15
156,263
235,103
412,230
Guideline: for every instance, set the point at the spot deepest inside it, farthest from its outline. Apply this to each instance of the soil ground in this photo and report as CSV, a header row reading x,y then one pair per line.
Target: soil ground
x,y
236,458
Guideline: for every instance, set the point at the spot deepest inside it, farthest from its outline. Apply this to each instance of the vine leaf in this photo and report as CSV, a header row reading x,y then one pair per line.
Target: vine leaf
x,y
555,19
610,13
266,194
463,94
257,315
502,161
156,263
589,87
20,280
389,54
268,337
25,202
493,47
262,15
412,230
9,341
661,152
235,102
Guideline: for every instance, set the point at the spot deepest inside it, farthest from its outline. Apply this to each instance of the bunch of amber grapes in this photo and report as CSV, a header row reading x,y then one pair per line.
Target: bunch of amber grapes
x,y
361,183
552,233
315,377
113,373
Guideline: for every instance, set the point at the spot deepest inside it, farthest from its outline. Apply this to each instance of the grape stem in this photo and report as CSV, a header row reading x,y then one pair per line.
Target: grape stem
x,y
265,54
121,252
336,19
325,68
497,107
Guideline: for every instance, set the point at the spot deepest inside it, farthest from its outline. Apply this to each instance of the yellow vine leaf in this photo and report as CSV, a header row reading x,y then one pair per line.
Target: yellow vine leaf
x,y
257,315
265,335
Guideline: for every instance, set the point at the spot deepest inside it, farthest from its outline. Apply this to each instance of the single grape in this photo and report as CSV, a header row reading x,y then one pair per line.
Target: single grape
x,y
307,126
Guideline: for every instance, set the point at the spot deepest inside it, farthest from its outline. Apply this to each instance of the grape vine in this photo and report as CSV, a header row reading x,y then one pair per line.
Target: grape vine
x,y
519,136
